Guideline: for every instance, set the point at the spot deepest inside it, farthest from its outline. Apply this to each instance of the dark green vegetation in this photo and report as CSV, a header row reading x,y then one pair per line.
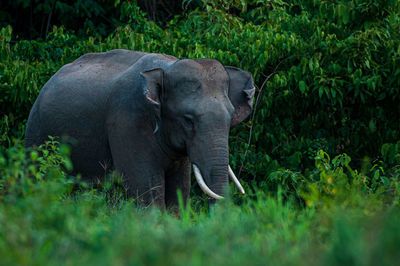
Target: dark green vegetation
x,y
328,78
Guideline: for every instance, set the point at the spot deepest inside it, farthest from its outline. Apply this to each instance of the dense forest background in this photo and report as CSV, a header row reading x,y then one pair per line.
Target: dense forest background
x,y
319,156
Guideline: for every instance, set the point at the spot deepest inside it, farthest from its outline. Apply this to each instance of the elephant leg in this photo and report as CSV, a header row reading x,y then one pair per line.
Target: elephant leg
x,y
177,177
146,193
135,161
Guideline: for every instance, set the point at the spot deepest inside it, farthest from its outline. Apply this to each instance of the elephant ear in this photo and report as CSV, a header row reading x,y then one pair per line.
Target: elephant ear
x,y
153,91
153,86
241,93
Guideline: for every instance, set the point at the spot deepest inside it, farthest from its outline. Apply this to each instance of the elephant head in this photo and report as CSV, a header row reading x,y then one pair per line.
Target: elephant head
x,y
196,103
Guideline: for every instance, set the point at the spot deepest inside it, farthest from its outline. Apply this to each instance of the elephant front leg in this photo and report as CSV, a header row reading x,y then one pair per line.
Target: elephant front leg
x,y
147,189
142,175
177,177
136,157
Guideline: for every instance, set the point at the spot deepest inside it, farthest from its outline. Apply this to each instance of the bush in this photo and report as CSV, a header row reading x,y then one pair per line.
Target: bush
x,y
42,222
336,75
23,171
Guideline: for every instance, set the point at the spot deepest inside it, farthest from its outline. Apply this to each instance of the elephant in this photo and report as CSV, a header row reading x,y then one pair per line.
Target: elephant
x,y
149,117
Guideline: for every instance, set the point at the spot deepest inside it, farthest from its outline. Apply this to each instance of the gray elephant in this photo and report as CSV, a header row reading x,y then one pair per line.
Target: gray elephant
x,y
149,116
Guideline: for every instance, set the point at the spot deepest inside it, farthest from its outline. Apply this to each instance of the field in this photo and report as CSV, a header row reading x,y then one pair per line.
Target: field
x,y
319,156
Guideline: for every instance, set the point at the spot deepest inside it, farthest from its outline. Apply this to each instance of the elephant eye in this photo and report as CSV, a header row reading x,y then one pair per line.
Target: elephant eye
x,y
189,121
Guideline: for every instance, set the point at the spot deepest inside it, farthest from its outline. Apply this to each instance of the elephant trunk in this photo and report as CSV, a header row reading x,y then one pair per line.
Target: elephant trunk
x,y
214,170
211,167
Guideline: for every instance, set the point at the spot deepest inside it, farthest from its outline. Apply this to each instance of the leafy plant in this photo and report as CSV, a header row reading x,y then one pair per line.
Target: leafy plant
x,y
22,170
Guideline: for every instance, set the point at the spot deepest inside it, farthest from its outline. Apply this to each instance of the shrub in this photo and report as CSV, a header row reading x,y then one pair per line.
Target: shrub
x,y
326,79
41,222
23,171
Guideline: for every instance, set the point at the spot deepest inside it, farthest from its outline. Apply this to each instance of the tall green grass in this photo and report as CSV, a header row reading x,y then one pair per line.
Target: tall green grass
x,y
50,218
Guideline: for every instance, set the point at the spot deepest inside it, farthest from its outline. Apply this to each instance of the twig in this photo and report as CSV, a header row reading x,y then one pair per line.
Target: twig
x,y
252,119
254,112
30,21
49,18
154,10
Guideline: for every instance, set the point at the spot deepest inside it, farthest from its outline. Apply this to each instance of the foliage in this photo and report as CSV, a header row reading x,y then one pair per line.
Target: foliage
x,y
22,171
35,18
43,222
319,156
336,75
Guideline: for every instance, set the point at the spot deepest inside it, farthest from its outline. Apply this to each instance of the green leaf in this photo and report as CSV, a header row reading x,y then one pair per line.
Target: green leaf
x,y
385,181
302,86
310,64
333,92
321,91
346,14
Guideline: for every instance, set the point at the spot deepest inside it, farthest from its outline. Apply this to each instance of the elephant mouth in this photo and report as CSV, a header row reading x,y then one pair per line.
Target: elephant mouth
x,y
207,190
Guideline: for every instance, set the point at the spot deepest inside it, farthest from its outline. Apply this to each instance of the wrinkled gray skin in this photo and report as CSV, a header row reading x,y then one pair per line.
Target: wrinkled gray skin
x,y
146,115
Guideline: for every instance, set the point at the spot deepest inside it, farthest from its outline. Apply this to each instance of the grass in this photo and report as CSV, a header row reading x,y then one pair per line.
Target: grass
x,y
85,230
46,219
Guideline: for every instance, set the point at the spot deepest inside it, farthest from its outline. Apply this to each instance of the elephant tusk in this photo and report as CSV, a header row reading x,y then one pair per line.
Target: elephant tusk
x,y
202,184
235,180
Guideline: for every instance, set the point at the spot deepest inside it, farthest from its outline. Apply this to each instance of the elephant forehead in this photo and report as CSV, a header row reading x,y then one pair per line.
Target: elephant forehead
x,y
212,70
201,69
